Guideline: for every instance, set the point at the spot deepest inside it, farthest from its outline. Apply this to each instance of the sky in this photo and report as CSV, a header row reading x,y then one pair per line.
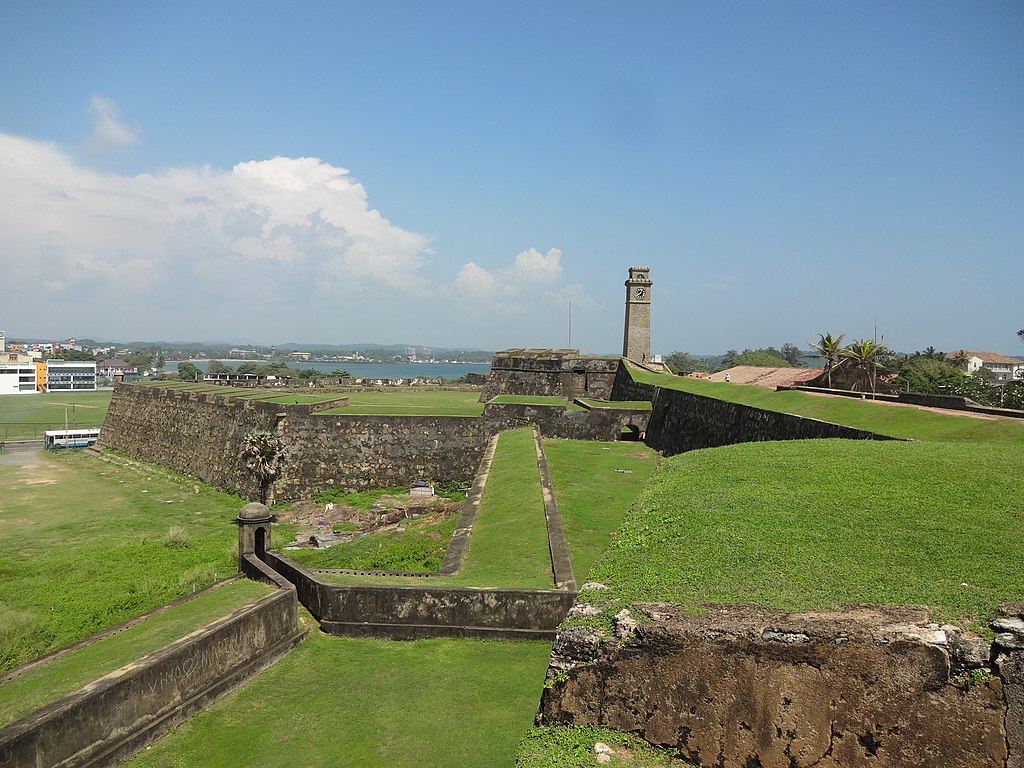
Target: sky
x,y
458,174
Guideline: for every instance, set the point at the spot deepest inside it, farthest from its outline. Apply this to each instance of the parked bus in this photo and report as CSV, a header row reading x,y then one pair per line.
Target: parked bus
x,y
71,438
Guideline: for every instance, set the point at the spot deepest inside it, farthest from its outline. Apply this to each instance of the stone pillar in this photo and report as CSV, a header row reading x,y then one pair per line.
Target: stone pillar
x,y
253,531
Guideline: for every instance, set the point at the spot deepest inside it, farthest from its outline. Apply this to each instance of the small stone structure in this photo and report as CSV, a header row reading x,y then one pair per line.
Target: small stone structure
x,y
560,373
743,685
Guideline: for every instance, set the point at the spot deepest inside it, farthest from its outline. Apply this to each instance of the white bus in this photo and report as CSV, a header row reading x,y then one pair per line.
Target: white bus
x,y
71,438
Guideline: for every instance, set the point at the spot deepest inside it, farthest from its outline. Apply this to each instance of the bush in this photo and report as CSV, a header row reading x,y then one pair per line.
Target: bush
x,y
176,538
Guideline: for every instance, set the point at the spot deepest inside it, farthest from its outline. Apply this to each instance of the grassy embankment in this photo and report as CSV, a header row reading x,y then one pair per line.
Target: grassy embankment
x,y
893,420
27,417
346,702
67,673
815,524
87,543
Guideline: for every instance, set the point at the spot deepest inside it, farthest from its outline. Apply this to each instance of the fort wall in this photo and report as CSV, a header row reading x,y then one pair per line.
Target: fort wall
x,y
550,373
682,421
743,685
123,711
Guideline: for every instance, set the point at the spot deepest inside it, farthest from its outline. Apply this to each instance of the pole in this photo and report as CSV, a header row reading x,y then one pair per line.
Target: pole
x,y
569,346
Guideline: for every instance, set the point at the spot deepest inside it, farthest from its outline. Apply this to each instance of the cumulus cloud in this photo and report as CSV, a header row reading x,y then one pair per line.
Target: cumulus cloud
x,y
281,230
514,288
109,131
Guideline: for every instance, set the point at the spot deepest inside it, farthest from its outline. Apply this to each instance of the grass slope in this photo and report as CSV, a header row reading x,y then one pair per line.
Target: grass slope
x,y
509,543
65,674
892,420
86,543
338,702
27,417
592,496
815,524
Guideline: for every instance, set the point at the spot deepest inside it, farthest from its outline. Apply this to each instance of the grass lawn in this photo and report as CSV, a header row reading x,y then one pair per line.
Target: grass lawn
x,y
509,543
573,747
592,496
66,674
336,701
27,417
412,403
87,542
818,523
892,420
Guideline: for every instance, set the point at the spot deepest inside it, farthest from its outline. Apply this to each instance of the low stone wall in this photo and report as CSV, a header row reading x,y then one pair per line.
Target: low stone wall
x,y
747,686
681,421
120,713
413,612
558,421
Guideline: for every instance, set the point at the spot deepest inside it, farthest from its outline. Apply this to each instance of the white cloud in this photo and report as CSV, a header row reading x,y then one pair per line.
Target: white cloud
x,y
536,267
270,232
474,281
514,288
109,132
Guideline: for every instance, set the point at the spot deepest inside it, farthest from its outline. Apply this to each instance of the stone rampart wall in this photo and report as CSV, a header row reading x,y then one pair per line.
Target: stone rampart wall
x,y
410,612
202,436
559,421
552,373
681,421
742,686
119,714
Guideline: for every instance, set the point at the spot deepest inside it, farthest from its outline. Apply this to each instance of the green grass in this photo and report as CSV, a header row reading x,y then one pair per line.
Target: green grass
x,y
88,542
412,403
573,747
892,420
592,496
27,417
417,548
814,524
339,702
509,543
69,672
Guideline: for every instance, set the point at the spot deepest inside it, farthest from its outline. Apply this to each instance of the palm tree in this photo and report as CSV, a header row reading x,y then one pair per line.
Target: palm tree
x,y
263,452
958,358
831,349
866,355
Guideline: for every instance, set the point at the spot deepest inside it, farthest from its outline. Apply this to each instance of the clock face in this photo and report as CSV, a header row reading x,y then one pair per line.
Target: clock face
x,y
640,293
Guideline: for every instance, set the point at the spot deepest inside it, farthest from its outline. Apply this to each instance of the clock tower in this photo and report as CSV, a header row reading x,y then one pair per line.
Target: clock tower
x,y
636,344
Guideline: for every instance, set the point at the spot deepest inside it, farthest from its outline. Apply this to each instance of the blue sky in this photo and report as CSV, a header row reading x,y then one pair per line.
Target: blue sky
x,y
454,174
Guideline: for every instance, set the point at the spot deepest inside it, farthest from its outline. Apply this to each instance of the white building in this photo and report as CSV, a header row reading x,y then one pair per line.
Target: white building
x,y
70,375
1005,368
17,378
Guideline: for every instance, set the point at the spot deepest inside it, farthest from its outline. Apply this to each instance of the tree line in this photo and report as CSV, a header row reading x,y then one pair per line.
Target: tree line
x,y
866,364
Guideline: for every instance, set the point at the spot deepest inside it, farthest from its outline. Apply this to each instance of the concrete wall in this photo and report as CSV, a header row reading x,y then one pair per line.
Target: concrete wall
x,y
120,713
746,686
411,612
681,421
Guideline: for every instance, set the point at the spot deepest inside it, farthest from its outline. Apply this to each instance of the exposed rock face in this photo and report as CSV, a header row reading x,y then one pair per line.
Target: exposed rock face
x,y
747,686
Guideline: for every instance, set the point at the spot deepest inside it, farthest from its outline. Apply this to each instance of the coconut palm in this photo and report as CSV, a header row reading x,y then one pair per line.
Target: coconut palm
x,y
958,358
263,452
866,355
831,349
